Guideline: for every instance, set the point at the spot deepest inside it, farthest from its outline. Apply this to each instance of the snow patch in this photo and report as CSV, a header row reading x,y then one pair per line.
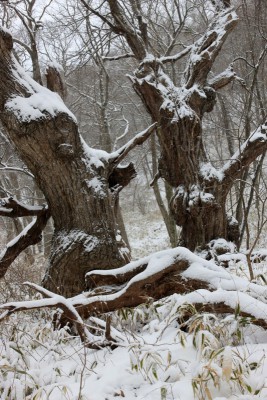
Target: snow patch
x,y
66,239
37,106
209,173
94,157
40,101
97,186
260,134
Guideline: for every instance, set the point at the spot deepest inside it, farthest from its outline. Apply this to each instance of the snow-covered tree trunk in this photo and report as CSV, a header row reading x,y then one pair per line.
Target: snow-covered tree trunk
x,y
199,202
80,184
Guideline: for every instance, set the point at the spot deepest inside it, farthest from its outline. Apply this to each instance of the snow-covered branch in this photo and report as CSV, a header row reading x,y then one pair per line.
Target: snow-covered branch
x,y
31,235
206,49
221,80
20,95
118,57
10,207
69,311
222,301
175,57
6,168
253,147
116,157
71,315
157,276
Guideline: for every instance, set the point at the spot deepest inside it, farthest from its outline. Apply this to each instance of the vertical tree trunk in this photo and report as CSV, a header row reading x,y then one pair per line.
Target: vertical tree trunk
x,y
166,214
198,204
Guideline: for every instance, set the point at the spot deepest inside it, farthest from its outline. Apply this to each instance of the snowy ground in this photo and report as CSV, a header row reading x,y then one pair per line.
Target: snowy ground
x,y
158,356
148,237
155,360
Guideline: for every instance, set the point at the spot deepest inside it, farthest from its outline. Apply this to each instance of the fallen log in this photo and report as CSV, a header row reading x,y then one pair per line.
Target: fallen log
x,y
202,282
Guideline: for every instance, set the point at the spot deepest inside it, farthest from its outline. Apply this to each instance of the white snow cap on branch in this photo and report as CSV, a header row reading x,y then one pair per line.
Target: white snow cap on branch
x,y
40,102
260,134
208,172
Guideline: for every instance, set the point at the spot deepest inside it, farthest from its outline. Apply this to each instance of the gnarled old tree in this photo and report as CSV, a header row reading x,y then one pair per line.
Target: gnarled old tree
x,y
80,184
199,202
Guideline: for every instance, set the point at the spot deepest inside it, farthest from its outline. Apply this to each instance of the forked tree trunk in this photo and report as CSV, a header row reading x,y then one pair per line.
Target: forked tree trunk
x,y
199,202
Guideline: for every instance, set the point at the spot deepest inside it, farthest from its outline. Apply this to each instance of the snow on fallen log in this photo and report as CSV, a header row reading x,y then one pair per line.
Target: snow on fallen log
x,y
154,277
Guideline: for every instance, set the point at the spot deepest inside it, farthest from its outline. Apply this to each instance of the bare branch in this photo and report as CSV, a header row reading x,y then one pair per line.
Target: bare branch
x,y
155,179
24,45
24,17
123,27
99,15
118,57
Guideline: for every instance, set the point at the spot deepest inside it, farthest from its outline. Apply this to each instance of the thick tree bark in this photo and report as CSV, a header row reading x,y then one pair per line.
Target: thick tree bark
x,y
76,181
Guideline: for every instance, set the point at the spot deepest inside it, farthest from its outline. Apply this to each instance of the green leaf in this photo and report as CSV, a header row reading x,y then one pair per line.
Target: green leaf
x,y
154,372
237,310
249,388
169,357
